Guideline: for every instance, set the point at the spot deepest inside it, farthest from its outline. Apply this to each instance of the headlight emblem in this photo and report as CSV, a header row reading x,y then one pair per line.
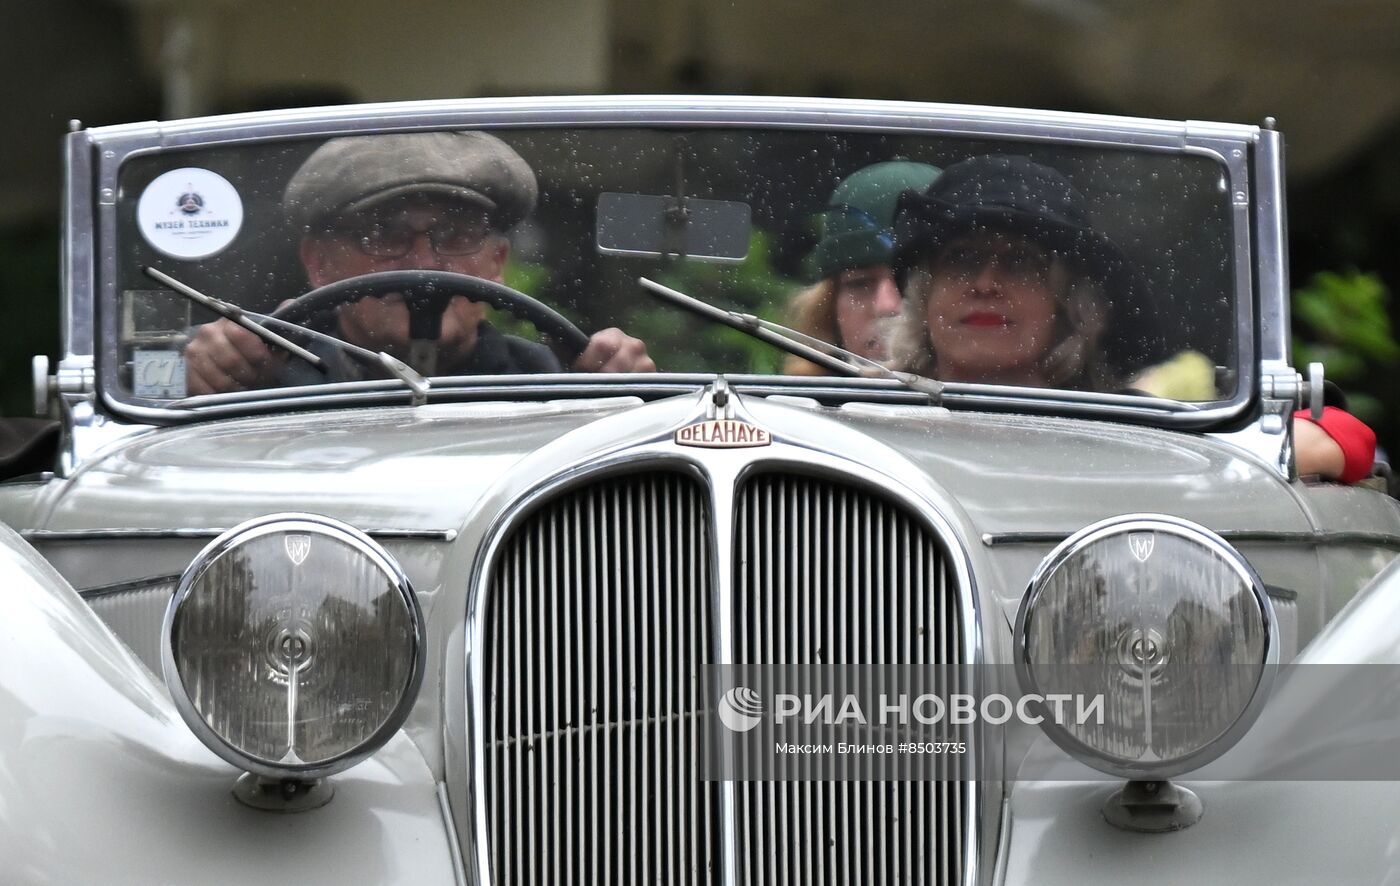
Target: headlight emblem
x,y
1166,622
293,646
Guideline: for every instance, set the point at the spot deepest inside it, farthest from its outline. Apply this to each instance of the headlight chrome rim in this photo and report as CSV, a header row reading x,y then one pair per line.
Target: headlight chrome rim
x,y
1126,523
363,545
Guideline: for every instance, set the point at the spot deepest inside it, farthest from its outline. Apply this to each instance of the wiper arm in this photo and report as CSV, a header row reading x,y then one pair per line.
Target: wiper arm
x,y
396,367
235,314
245,318
824,354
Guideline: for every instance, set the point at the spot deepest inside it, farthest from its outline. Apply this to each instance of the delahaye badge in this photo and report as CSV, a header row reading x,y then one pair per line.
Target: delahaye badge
x,y
723,433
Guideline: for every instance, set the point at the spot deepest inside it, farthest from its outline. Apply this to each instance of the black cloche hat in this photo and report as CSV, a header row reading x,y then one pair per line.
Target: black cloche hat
x,y
1017,195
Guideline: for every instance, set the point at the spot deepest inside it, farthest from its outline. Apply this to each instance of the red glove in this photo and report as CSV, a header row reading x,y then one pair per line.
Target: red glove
x,y
1358,442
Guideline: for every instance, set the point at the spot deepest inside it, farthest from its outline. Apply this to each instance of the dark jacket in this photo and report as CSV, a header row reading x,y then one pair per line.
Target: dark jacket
x,y
495,353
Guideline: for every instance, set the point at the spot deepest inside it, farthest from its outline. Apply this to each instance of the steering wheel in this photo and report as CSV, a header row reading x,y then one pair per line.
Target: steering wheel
x,y
427,293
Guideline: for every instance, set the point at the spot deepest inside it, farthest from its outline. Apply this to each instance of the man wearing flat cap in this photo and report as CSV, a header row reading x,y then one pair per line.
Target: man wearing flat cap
x,y
441,201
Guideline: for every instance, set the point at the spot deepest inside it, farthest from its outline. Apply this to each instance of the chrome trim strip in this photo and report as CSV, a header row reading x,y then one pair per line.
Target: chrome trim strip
x,y
459,871
553,386
125,587
1270,437
959,390
114,534
806,113
714,468
377,392
1234,157
1319,537
77,268
1003,856
1271,225
724,476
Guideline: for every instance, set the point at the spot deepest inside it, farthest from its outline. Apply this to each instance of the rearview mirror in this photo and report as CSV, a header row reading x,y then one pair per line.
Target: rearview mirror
x,y
657,226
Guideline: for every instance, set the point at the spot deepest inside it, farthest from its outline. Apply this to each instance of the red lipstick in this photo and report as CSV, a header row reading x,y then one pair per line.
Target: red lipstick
x,y
985,318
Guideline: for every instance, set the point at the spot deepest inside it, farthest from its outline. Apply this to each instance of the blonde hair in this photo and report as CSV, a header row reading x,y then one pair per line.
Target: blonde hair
x,y
813,312
1075,360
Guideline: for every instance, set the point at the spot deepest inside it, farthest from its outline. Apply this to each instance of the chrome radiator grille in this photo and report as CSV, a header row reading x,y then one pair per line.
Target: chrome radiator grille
x,y
826,573
599,621
597,636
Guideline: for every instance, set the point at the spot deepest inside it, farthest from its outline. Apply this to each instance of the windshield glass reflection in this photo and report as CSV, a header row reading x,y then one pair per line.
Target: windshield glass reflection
x,y
971,260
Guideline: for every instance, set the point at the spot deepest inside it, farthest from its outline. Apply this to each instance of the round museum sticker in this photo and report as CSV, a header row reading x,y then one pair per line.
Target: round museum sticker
x,y
190,213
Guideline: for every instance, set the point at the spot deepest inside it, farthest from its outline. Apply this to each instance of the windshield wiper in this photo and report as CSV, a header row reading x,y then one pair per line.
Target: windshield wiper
x,y
824,354
245,318
396,367
235,314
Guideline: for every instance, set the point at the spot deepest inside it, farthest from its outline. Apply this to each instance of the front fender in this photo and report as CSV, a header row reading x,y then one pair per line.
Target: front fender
x,y
101,781
1367,630
1289,804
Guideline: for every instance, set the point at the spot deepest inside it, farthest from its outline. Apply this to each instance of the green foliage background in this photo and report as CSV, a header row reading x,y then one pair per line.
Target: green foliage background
x,y
689,343
1340,319
749,287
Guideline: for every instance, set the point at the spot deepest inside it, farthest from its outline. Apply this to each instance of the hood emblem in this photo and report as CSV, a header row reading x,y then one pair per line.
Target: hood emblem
x,y
723,433
1141,544
298,546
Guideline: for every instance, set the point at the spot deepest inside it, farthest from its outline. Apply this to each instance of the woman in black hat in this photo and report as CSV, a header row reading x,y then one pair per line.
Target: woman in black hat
x,y
1005,281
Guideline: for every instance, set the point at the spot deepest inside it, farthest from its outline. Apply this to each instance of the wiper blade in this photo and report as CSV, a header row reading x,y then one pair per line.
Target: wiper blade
x,y
245,318
396,367
824,354
865,367
235,314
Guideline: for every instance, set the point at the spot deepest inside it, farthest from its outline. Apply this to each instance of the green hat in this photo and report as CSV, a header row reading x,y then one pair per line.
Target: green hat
x,y
857,224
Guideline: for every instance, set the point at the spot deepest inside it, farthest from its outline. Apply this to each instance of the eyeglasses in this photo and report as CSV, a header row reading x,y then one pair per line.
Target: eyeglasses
x,y
455,235
1020,262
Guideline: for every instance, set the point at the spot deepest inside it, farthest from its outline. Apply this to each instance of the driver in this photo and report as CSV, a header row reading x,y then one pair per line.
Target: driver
x,y
441,201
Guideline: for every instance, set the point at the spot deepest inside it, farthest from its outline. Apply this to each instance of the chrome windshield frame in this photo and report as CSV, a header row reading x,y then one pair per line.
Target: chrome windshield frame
x,y
97,156
820,390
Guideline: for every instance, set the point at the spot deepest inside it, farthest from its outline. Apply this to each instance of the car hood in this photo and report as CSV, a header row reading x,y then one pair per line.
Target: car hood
x,y
457,469
428,468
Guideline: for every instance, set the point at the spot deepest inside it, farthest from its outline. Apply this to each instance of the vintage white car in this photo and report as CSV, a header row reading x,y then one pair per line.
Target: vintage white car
x,y
333,582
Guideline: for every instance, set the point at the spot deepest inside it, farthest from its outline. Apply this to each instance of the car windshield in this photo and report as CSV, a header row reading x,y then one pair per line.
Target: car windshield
x,y
976,260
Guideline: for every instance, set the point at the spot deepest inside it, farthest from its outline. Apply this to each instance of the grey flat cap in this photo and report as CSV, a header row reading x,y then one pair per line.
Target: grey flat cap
x,y
351,174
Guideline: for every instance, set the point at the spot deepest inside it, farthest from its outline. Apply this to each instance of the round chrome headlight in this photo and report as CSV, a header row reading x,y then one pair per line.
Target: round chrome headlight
x,y
293,646
1159,632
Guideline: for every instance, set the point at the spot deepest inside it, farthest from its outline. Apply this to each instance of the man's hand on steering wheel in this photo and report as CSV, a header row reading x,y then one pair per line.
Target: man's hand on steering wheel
x,y
224,357
612,350
382,324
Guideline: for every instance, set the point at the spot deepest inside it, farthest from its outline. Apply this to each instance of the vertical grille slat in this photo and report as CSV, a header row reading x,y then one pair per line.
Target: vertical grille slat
x,y
612,715
599,622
